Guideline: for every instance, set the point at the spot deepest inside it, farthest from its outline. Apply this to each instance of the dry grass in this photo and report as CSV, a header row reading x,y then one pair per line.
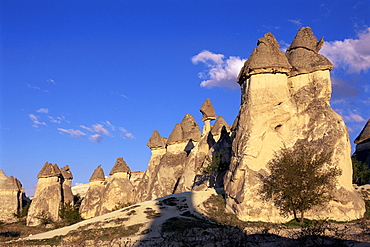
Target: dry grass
x,y
17,230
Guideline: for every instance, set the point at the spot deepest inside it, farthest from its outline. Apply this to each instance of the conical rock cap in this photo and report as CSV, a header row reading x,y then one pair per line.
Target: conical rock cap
x,y
120,166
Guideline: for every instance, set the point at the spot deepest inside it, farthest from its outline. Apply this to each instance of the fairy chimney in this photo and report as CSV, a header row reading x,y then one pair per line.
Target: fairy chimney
x,y
208,114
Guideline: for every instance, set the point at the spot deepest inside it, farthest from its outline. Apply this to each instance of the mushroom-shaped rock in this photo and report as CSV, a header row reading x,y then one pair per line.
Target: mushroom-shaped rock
x,y
98,175
220,122
365,134
207,110
66,172
190,129
303,53
266,58
49,170
120,166
156,141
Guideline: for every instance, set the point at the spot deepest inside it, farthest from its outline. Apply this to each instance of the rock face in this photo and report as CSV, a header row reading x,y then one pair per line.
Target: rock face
x,y
104,194
11,197
362,152
90,204
285,99
175,166
166,164
53,189
118,188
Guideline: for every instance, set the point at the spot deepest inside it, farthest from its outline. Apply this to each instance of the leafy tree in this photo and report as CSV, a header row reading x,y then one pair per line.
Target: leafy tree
x,y
215,165
300,178
361,172
69,212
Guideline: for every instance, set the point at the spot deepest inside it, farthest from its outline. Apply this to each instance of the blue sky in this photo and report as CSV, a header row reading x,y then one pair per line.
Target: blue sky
x,y
86,82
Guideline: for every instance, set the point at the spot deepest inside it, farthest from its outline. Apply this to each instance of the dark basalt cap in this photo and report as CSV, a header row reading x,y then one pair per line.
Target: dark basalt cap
x,y
220,122
364,135
49,170
156,141
66,172
98,175
120,166
266,58
207,110
303,53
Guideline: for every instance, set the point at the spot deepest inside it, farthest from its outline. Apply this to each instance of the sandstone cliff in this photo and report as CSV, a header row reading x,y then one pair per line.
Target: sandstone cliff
x,y
11,197
104,194
90,204
285,99
53,189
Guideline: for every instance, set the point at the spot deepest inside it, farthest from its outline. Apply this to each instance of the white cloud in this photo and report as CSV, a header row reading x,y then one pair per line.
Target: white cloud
x,y
111,126
98,128
126,134
120,95
206,57
350,54
296,22
35,121
43,110
86,128
53,120
221,71
51,81
72,132
96,138
37,88
353,117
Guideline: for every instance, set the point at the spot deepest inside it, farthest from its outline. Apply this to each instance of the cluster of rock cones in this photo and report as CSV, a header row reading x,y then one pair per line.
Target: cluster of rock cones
x,y
285,101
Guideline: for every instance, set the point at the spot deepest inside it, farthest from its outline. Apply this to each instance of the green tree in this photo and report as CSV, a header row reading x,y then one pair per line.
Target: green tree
x,y
215,165
361,172
300,178
69,212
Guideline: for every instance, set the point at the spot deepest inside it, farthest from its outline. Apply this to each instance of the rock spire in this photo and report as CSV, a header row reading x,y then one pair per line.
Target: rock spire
x,y
98,175
285,100
156,141
120,166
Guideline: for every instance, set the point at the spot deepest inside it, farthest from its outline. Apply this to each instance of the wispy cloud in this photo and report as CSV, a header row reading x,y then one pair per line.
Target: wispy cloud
x,y
51,81
221,71
343,88
86,128
58,120
35,121
43,110
353,117
98,128
125,134
96,138
298,22
109,125
72,132
120,95
37,88
352,55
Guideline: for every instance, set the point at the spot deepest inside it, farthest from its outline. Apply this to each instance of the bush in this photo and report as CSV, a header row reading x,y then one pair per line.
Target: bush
x,y
361,172
69,213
